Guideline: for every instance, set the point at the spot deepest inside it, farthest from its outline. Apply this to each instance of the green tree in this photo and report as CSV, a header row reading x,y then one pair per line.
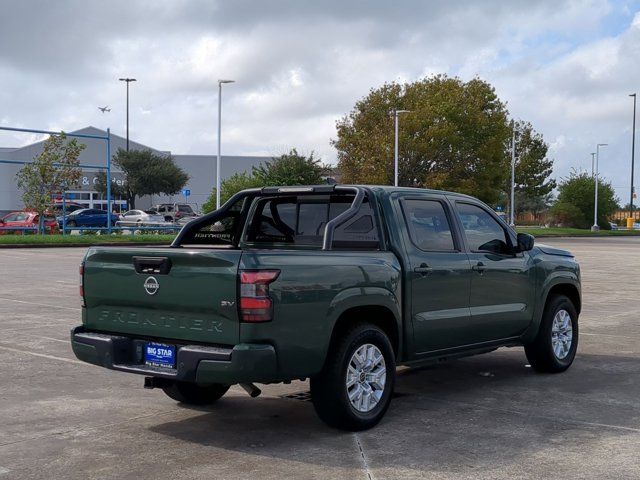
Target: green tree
x,y
454,137
228,188
533,169
579,190
567,215
145,173
52,171
290,168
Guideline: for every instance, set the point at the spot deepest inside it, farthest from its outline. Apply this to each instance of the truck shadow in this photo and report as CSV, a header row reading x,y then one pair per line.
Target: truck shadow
x,y
480,412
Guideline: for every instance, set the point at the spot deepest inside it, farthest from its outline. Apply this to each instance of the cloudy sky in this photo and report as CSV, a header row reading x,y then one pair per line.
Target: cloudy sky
x,y
566,66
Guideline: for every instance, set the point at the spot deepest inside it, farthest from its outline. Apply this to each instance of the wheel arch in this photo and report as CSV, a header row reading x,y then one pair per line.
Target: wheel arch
x,y
377,306
569,290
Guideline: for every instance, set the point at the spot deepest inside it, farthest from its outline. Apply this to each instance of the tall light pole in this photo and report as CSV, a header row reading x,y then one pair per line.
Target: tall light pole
x,y
633,153
595,226
593,163
513,177
128,81
396,113
220,82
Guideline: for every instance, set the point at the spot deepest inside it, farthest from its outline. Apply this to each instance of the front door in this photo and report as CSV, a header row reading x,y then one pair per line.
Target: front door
x,y
502,290
439,274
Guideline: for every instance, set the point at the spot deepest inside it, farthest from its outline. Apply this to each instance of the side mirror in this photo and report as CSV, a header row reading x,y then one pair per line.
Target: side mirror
x,y
525,242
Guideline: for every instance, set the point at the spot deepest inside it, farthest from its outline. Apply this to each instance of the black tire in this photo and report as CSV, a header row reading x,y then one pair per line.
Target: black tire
x,y
193,394
71,223
540,352
329,390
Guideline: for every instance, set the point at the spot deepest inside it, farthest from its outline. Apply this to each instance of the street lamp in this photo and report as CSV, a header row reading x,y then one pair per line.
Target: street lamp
x,y
593,163
395,157
633,153
595,226
128,81
513,177
220,82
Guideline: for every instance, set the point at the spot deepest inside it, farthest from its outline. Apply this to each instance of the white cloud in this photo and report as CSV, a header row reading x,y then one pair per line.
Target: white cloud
x,y
566,66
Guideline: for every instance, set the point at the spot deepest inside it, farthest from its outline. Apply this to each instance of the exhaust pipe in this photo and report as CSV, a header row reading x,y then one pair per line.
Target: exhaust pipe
x,y
251,389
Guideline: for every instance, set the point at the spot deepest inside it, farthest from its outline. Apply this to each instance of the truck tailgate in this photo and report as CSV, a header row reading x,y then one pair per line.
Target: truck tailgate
x,y
175,293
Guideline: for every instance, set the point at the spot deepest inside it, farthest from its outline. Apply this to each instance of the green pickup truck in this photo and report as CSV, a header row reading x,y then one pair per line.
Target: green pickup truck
x,y
338,284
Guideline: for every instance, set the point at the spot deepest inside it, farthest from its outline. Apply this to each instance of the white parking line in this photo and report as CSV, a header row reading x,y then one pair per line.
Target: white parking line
x,y
39,304
43,355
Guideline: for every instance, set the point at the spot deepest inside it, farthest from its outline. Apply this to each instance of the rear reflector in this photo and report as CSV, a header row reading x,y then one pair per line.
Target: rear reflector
x,y
255,303
81,271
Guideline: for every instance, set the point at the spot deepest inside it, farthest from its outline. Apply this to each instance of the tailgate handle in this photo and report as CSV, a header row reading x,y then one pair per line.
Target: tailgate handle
x,y
149,265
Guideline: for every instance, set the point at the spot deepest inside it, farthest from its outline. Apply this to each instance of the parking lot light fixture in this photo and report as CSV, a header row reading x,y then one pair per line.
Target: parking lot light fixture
x,y
396,113
128,81
633,153
220,82
595,226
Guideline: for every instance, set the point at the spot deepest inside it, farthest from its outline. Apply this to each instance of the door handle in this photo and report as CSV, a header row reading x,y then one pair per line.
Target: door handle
x,y
479,267
423,269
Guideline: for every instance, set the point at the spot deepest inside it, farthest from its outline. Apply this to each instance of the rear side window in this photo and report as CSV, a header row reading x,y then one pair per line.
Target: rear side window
x,y
301,220
483,232
428,225
185,209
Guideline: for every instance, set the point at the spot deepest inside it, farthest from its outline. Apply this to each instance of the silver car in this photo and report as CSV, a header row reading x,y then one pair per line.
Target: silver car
x,y
140,218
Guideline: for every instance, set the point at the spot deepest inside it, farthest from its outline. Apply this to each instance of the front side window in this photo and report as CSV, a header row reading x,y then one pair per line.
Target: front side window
x,y
428,225
483,232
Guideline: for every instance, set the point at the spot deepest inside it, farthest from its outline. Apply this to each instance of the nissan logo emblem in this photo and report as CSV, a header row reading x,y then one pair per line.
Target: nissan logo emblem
x,y
151,285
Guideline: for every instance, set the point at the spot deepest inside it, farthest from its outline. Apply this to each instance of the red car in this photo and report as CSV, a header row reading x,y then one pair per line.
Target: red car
x,y
26,220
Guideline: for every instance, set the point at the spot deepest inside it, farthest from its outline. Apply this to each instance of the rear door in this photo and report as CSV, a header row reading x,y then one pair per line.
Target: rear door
x,y
502,291
439,274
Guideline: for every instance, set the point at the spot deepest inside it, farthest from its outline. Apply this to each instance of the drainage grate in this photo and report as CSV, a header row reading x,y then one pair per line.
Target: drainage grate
x,y
304,396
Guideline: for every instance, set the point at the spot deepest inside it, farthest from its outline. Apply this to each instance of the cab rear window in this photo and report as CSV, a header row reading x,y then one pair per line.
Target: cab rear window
x,y
301,220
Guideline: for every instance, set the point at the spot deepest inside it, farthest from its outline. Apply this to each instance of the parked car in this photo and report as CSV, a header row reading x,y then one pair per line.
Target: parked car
x,y
88,217
338,284
140,218
174,211
26,220
69,207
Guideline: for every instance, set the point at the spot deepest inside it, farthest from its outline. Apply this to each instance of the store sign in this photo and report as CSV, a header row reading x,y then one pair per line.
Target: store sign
x,y
91,180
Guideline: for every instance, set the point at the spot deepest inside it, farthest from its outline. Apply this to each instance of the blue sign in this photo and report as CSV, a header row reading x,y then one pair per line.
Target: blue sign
x,y
499,208
186,192
160,355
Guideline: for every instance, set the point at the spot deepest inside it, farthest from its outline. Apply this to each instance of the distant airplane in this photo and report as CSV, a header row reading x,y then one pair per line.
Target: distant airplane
x,y
104,109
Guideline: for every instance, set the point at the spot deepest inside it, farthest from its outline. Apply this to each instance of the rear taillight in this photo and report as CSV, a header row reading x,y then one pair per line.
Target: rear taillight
x,y
255,303
81,271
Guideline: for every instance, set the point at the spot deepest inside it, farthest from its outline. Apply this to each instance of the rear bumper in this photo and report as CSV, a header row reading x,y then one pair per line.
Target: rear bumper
x,y
242,363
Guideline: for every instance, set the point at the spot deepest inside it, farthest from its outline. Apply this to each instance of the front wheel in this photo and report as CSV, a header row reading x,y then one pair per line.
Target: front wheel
x,y
354,389
193,394
555,346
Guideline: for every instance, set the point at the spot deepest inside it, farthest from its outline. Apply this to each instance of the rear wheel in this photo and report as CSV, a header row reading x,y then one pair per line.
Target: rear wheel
x,y
556,344
354,389
193,394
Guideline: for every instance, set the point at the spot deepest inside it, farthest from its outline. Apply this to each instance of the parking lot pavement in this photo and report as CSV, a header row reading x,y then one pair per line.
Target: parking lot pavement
x,y
488,416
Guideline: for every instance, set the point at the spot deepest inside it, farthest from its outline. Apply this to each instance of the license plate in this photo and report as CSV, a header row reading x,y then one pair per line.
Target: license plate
x,y
160,355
